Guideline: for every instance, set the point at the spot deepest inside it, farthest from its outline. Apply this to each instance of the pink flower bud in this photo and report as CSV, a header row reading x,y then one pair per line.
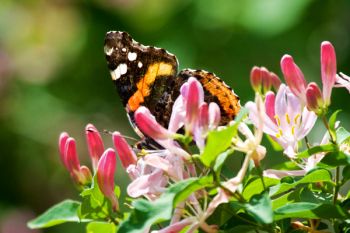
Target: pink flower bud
x,y
214,115
81,175
71,156
146,122
126,154
61,146
256,79
95,144
204,116
275,80
314,100
266,80
105,176
294,77
270,105
328,70
195,96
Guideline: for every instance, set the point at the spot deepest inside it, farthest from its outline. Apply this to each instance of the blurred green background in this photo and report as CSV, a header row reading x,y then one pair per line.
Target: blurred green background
x,y
53,75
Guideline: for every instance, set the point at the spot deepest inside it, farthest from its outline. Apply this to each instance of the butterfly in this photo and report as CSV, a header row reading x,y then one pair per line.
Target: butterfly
x,y
148,76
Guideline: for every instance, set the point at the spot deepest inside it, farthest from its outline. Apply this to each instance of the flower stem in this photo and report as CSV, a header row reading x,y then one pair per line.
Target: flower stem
x,y
336,188
325,122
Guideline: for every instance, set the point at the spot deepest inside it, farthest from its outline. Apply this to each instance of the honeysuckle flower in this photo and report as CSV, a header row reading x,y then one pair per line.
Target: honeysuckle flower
x,y
192,92
305,165
95,144
251,145
62,145
343,80
105,176
126,155
314,100
295,78
286,119
80,174
148,125
262,80
328,70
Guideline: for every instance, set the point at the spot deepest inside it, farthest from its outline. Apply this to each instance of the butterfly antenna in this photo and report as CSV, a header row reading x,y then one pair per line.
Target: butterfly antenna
x,y
124,136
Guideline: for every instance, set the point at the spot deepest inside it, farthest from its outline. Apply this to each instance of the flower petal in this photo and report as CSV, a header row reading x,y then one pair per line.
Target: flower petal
x,y
95,144
293,76
328,70
126,154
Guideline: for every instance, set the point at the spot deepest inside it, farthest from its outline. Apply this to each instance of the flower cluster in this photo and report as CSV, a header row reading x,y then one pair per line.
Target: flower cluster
x,y
178,176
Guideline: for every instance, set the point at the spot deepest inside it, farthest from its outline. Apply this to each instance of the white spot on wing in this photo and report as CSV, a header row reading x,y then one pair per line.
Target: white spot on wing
x,y
132,56
139,64
108,51
119,71
124,49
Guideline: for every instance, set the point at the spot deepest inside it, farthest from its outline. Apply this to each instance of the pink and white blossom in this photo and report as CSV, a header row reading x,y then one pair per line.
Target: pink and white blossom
x,y
291,121
343,80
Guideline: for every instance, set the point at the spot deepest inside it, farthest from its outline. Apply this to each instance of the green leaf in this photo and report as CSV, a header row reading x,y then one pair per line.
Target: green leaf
x,y
335,159
101,227
317,175
95,205
309,211
346,174
220,162
331,123
219,140
66,211
255,186
342,135
317,149
260,208
274,144
146,213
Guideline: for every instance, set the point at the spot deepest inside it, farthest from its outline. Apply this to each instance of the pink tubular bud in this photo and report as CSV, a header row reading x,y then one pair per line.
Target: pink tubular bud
x,y
270,105
328,70
204,116
275,81
61,146
314,100
125,153
256,79
71,156
294,77
146,122
95,144
214,115
105,176
80,174
194,98
266,80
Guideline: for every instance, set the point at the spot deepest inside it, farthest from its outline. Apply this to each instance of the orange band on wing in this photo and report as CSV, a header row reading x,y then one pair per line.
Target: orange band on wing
x,y
143,86
228,101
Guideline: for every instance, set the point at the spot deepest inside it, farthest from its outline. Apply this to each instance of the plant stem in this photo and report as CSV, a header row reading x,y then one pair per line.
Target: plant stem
x,y
307,142
336,188
261,177
325,122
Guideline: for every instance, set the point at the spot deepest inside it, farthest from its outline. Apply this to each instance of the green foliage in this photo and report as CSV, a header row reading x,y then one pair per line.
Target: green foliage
x,y
309,210
146,213
94,204
219,140
101,227
66,211
318,175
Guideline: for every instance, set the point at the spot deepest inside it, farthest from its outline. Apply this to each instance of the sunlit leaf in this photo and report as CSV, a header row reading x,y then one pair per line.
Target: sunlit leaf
x,y
309,210
66,211
101,227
